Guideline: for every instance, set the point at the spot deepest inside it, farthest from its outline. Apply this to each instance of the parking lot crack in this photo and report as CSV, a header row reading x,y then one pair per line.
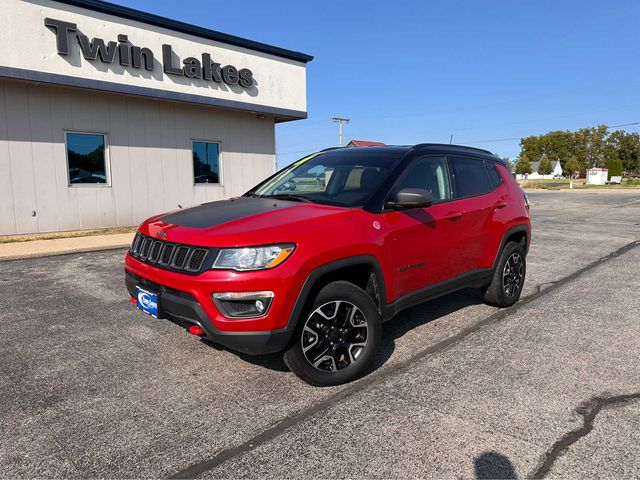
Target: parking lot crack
x,y
290,421
589,410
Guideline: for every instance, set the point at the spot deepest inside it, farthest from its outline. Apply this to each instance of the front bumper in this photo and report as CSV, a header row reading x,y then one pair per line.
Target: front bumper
x,y
183,308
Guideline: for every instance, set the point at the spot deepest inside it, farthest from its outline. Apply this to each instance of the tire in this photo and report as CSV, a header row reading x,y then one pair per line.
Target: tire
x,y
508,278
337,337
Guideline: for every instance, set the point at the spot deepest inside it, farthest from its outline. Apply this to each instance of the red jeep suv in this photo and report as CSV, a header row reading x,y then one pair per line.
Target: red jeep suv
x,y
311,261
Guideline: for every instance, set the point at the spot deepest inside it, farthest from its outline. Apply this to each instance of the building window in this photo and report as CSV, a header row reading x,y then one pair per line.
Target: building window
x,y
206,164
87,158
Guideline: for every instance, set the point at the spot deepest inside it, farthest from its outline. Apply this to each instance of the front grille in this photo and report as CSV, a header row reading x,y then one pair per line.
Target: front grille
x,y
172,256
197,257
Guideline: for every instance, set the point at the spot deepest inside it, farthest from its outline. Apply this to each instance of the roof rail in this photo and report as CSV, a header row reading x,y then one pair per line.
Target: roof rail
x,y
448,145
330,148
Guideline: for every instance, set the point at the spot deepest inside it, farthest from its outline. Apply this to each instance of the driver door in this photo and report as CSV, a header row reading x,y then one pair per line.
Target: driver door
x,y
422,245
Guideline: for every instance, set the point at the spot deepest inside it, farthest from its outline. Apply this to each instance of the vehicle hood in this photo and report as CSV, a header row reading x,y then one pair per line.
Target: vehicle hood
x,y
243,221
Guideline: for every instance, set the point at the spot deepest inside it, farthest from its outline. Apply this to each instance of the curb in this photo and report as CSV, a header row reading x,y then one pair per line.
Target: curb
x,y
55,253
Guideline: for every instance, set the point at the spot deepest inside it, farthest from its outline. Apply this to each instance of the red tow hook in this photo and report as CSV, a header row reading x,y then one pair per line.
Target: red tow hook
x,y
196,330
134,300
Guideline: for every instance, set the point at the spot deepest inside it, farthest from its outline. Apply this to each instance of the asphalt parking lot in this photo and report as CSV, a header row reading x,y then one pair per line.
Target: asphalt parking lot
x,y
90,387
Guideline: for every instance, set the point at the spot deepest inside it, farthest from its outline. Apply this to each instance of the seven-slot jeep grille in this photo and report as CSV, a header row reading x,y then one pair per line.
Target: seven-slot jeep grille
x,y
171,256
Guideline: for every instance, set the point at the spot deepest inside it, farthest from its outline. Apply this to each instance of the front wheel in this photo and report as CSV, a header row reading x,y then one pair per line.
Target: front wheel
x,y
338,337
508,279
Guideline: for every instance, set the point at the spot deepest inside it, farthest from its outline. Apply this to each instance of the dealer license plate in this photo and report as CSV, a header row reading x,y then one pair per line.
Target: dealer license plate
x,y
147,302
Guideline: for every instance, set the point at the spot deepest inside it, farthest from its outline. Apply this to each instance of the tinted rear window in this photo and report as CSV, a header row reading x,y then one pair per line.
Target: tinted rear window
x,y
470,177
494,175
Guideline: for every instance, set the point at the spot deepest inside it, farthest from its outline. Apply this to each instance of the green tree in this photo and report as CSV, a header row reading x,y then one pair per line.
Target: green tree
x,y
615,168
545,167
523,166
572,166
560,144
625,147
508,161
591,146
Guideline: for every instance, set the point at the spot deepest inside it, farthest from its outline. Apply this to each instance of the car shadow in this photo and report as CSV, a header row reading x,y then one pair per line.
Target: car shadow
x,y
419,315
392,330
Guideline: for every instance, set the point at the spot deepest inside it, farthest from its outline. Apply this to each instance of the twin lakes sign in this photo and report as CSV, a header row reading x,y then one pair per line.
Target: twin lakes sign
x,y
129,55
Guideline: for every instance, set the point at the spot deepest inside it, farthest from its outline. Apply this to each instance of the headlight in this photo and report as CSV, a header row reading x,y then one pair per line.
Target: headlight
x,y
253,258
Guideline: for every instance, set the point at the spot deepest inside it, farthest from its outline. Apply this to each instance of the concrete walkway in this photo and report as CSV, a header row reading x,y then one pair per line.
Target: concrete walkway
x,y
59,246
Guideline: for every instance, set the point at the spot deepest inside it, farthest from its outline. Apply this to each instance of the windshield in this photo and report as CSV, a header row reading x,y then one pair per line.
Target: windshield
x,y
341,177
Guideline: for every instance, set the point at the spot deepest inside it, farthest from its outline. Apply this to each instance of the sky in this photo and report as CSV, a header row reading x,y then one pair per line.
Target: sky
x,y
487,72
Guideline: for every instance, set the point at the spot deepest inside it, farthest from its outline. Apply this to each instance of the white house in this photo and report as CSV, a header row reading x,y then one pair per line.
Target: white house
x,y
555,172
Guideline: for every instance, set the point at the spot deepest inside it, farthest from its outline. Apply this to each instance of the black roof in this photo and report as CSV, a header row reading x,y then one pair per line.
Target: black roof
x,y
445,148
158,21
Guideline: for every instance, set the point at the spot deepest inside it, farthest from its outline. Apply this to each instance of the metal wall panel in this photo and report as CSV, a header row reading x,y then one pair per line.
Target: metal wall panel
x,y
20,156
7,209
43,165
149,151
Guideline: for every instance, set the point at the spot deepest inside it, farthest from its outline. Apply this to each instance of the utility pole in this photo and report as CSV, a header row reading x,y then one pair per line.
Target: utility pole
x,y
340,121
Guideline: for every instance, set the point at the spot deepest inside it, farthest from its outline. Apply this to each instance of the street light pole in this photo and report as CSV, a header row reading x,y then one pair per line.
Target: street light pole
x,y
340,121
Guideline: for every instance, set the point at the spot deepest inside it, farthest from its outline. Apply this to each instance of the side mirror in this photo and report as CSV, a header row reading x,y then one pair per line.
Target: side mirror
x,y
411,198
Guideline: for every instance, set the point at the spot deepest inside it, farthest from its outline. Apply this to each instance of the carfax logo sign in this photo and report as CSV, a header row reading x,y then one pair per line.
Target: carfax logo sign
x,y
129,55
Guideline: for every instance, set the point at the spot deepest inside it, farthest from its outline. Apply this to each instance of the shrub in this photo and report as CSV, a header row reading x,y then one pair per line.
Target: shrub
x,y
545,167
523,166
615,168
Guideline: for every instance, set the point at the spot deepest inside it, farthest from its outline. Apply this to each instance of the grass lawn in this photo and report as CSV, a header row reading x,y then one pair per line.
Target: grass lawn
x,y
564,183
51,236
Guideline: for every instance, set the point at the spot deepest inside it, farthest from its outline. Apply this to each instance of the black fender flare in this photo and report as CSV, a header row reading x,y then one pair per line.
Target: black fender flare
x,y
517,229
315,275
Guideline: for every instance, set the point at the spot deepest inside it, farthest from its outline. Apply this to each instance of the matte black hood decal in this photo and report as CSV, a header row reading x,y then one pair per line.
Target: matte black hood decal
x,y
215,213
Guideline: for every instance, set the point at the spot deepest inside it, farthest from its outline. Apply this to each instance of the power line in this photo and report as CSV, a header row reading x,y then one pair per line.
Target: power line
x,y
623,125
518,138
491,141
467,143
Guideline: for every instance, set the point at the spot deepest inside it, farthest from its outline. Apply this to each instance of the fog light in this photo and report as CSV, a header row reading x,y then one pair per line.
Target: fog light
x,y
243,304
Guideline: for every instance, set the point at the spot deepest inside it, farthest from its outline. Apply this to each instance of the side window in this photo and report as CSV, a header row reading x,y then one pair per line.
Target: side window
x,y
470,177
494,175
430,174
206,167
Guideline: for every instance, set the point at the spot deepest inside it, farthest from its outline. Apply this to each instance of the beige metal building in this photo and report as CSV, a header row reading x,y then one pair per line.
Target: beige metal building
x,y
109,115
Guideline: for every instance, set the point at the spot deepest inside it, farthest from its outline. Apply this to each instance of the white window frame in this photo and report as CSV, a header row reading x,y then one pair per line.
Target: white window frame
x,y
220,169
107,161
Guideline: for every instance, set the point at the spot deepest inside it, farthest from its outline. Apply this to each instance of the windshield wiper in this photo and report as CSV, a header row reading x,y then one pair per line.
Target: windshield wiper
x,y
251,194
290,196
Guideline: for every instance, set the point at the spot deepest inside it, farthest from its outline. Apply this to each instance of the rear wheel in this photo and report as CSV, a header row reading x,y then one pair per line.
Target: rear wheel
x,y
338,336
508,279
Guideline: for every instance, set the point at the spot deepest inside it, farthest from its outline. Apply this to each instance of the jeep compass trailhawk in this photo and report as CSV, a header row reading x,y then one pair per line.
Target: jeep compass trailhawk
x,y
311,261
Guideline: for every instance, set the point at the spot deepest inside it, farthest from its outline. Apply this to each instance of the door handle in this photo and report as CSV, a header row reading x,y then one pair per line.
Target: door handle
x,y
500,204
453,215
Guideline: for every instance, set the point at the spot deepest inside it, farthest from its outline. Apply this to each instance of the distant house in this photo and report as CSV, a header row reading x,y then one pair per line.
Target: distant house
x,y
555,172
363,143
